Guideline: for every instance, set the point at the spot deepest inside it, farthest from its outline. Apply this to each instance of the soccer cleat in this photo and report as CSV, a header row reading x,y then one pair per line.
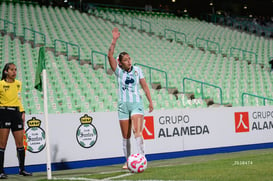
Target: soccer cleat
x,y
3,176
24,173
125,166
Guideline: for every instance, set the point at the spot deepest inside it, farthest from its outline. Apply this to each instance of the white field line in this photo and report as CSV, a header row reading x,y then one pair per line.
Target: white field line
x,y
74,178
119,176
89,179
109,178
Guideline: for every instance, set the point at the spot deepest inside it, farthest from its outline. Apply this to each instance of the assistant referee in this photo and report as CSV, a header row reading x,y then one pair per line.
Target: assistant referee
x,y
12,117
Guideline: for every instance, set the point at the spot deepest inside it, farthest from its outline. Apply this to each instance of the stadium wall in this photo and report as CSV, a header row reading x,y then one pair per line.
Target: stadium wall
x,y
93,139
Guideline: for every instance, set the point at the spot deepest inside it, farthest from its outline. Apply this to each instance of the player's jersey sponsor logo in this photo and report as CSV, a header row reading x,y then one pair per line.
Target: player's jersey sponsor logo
x,y
129,81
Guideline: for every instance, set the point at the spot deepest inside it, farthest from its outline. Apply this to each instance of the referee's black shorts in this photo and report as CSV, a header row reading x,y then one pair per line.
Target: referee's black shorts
x,y
11,118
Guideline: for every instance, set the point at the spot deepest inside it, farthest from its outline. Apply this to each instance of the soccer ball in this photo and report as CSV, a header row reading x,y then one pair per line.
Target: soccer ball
x,y
137,163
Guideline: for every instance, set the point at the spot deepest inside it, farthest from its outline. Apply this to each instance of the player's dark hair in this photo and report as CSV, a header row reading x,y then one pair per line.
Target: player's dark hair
x,y
121,55
5,69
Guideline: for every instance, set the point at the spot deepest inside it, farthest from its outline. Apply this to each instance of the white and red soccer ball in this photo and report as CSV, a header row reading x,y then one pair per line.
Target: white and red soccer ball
x,y
136,163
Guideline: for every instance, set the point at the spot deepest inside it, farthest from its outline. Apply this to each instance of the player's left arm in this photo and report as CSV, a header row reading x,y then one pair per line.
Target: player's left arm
x,y
146,89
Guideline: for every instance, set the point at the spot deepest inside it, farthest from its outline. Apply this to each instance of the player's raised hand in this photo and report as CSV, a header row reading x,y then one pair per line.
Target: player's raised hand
x,y
115,33
112,61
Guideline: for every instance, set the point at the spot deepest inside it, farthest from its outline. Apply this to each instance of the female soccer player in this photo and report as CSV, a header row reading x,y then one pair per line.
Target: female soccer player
x,y
12,117
130,106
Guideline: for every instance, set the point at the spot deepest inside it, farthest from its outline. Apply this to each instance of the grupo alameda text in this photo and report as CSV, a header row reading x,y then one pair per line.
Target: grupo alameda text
x,y
262,120
181,125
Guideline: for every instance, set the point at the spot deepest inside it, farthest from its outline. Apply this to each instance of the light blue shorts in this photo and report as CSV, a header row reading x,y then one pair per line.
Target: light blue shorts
x,y
127,109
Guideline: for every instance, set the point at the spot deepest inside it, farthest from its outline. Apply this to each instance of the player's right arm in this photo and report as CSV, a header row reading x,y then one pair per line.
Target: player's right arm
x,y
111,59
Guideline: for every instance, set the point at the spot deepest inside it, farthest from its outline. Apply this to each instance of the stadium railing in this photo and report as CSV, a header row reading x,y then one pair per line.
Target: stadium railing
x,y
34,34
208,42
175,35
94,52
202,87
158,70
243,52
141,21
6,26
253,95
67,51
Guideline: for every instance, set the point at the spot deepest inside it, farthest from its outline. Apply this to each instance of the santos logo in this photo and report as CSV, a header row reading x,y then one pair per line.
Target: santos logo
x,y
241,122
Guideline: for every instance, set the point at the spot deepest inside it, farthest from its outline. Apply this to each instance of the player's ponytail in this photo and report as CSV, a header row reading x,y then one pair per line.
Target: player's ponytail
x,y
5,70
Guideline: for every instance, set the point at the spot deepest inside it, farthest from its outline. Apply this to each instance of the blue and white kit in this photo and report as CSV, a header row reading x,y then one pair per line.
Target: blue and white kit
x,y
130,100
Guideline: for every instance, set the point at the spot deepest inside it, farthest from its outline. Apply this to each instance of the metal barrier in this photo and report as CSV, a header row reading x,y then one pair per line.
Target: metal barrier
x,y
244,52
6,24
150,73
252,95
66,48
141,21
34,34
208,42
175,34
100,53
202,86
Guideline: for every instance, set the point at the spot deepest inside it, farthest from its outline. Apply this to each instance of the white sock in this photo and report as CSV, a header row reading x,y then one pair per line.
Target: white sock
x,y
126,145
140,145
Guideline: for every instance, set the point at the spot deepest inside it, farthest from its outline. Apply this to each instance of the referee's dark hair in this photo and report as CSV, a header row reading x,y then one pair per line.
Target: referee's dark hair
x,y
5,69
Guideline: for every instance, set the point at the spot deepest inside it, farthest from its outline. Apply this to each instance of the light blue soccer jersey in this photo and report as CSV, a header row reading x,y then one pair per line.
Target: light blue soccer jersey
x,y
128,83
